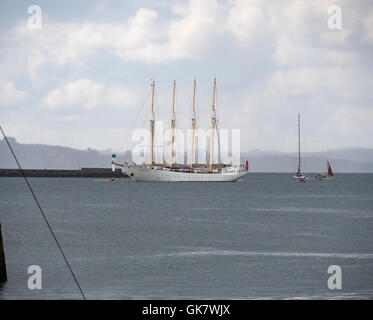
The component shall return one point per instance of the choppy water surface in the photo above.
(263, 237)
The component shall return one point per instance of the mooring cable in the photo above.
(42, 212)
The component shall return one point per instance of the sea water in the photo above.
(264, 237)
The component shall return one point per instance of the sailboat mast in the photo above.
(152, 127)
(213, 122)
(193, 125)
(173, 126)
(298, 143)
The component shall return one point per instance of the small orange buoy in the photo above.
(112, 179)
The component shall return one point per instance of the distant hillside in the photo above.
(288, 163)
(38, 156)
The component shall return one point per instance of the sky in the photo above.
(83, 79)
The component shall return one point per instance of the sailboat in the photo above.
(299, 177)
(325, 176)
(181, 172)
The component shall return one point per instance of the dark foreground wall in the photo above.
(82, 173)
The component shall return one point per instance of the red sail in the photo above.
(330, 172)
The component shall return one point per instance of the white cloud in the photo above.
(9, 95)
(70, 42)
(193, 31)
(301, 63)
(303, 37)
(87, 94)
(266, 114)
(247, 21)
(297, 30)
(143, 37)
(352, 120)
(368, 26)
(331, 83)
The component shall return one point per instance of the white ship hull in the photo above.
(300, 178)
(138, 173)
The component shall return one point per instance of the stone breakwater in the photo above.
(52, 173)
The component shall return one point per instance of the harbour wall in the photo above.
(52, 173)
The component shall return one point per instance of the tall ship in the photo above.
(299, 177)
(212, 171)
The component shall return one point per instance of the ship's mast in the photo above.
(193, 125)
(173, 120)
(213, 123)
(152, 121)
(298, 172)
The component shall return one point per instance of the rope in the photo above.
(42, 212)
(135, 119)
